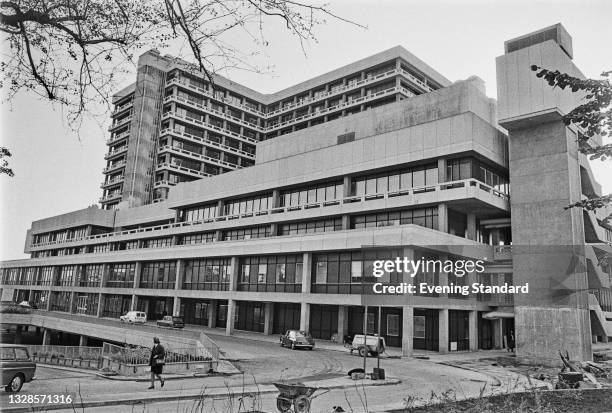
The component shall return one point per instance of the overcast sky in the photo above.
(57, 173)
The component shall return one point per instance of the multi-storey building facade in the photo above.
(174, 125)
(394, 162)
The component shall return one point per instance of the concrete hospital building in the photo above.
(263, 212)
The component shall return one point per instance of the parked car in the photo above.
(134, 317)
(169, 321)
(16, 367)
(296, 339)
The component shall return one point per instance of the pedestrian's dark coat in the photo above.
(157, 352)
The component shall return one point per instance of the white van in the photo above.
(134, 317)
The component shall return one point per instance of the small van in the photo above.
(134, 317)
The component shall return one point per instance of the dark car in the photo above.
(169, 321)
(297, 339)
(16, 367)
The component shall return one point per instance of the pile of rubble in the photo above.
(584, 375)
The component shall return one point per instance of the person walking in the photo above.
(157, 361)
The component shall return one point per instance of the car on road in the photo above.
(134, 317)
(170, 321)
(297, 339)
(16, 367)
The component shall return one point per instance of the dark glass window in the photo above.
(277, 273)
(207, 274)
(160, 275)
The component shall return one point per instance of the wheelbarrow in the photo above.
(297, 395)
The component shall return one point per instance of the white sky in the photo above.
(56, 173)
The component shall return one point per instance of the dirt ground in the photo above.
(559, 401)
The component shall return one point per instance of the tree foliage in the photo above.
(592, 118)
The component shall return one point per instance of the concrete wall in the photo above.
(143, 214)
(88, 216)
(548, 241)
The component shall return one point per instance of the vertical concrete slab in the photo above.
(212, 314)
(306, 272)
(443, 330)
(268, 318)
(407, 331)
(178, 284)
(473, 330)
(471, 227)
(234, 272)
(46, 337)
(342, 322)
(442, 218)
(82, 341)
(305, 317)
(231, 310)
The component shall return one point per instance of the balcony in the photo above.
(209, 126)
(163, 184)
(112, 182)
(114, 167)
(208, 109)
(198, 156)
(178, 168)
(120, 123)
(209, 94)
(110, 197)
(122, 108)
(116, 152)
(117, 138)
(206, 142)
(442, 192)
(363, 99)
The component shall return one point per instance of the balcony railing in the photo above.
(175, 167)
(209, 94)
(341, 105)
(119, 123)
(110, 197)
(115, 152)
(207, 142)
(123, 107)
(410, 192)
(207, 125)
(212, 111)
(118, 137)
(198, 156)
(112, 182)
(115, 166)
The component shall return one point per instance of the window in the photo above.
(280, 273)
(312, 194)
(321, 274)
(21, 354)
(393, 325)
(418, 327)
(158, 275)
(7, 353)
(207, 274)
(121, 275)
(246, 233)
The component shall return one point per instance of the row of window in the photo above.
(282, 273)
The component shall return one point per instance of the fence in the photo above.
(69, 352)
(140, 355)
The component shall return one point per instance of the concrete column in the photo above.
(104, 277)
(346, 186)
(276, 199)
(442, 170)
(442, 218)
(178, 284)
(305, 317)
(18, 334)
(83, 341)
(268, 318)
(498, 337)
(46, 337)
(234, 273)
(306, 272)
(473, 330)
(231, 309)
(31, 296)
(471, 227)
(407, 331)
(71, 307)
(48, 303)
(134, 303)
(100, 299)
(443, 330)
(342, 322)
(273, 229)
(346, 221)
(220, 208)
(212, 314)
(443, 276)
